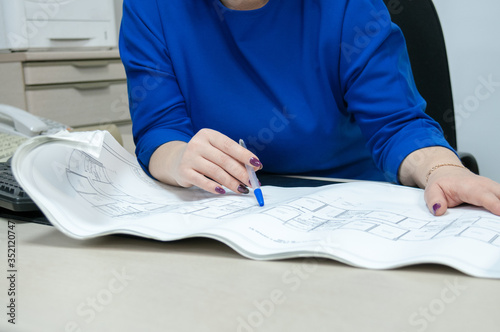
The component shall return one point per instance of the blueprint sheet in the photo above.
(88, 185)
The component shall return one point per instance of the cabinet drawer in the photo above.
(36, 73)
(80, 104)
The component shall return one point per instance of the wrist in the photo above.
(164, 161)
(415, 167)
(438, 166)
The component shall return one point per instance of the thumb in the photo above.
(435, 199)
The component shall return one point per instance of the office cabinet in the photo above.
(75, 88)
(79, 89)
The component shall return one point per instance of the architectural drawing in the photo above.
(88, 185)
(314, 213)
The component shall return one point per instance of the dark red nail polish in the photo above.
(436, 207)
(242, 189)
(255, 162)
(220, 190)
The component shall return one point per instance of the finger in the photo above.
(435, 200)
(219, 175)
(440, 196)
(236, 151)
(491, 202)
(227, 154)
(486, 196)
(206, 184)
(224, 168)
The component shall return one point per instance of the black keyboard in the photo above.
(12, 196)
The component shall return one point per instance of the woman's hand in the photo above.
(445, 185)
(450, 186)
(210, 161)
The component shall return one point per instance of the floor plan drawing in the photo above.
(90, 186)
(92, 181)
(315, 213)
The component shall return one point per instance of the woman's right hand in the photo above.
(210, 160)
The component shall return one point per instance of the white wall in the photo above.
(118, 14)
(472, 30)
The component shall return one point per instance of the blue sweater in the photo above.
(314, 87)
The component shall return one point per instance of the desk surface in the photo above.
(121, 283)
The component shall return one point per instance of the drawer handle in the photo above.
(92, 86)
(70, 39)
(90, 64)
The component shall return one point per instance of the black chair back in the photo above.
(421, 27)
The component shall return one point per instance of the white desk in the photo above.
(132, 284)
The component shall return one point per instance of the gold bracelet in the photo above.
(438, 166)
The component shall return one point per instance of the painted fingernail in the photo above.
(436, 207)
(255, 162)
(220, 190)
(242, 189)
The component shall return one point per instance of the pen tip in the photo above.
(258, 194)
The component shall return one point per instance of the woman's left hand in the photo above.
(451, 186)
(447, 183)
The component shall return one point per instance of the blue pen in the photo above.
(254, 182)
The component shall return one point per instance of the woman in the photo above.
(315, 87)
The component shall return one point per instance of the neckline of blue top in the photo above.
(247, 13)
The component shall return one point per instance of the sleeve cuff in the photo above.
(398, 152)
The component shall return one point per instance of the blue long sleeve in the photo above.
(315, 87)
